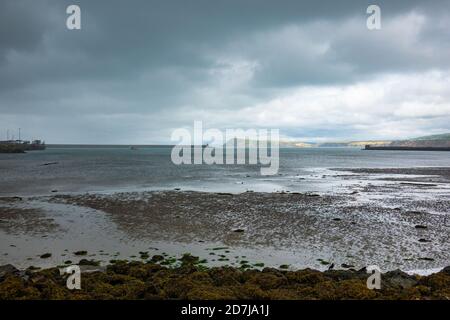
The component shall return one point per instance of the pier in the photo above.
(400, 148)
(20, 146)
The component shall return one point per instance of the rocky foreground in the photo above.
(191, 280)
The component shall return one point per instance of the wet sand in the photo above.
(380, 218)
(442, 173)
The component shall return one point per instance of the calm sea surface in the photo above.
(122, 169)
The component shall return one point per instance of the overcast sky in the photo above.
(139, 69)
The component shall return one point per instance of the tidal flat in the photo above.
(397, 220)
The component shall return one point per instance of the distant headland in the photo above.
(441, 141)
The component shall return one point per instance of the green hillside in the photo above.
(444, 136)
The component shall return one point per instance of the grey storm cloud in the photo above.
(138, 69)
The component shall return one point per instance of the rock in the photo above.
(8, 199)
(144, 255)
(86, 262)
(323, 262)
(398, 278)
(89, 269)
(7, 270)
(347, 266)
(426, 259)
(46, 255)
(188, 259)
(157, 258)
(49, 163)
(363, 269)
(33, 269)
(446, 270)
(80, 253)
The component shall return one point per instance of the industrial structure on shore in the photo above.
(20, 146)
(11, 145)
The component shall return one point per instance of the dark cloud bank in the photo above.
(139, 69)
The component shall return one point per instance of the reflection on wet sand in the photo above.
(391, 223)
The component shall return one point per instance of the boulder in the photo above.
(446, 270)
(398, 278)
(8, 270)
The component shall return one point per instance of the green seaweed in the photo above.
(192, 280)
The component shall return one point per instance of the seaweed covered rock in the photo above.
(86, 262)
(398, 278)
(157, 258)
(189, 259)
(139, 280)
(268, 280)
(8, 270)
